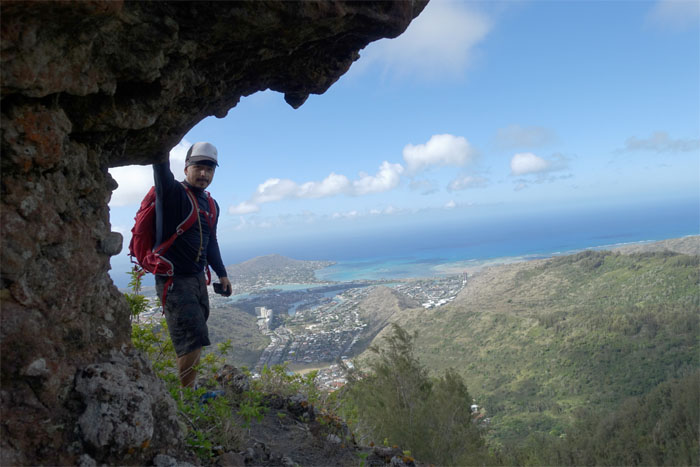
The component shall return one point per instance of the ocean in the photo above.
(442, 247)
(448, 249)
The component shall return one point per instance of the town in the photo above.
(325, 326)
(312, 323)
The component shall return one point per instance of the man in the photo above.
(187, 301)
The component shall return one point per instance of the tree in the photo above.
(397, 402)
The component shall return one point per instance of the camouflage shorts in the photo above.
(186, 312)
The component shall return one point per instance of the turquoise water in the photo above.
(448, 249)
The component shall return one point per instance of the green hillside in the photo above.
(535, 341)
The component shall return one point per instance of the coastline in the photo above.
(407, 268)
(473, 266)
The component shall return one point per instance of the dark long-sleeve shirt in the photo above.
(172, 207)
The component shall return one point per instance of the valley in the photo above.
(311, 324)
(536, 341)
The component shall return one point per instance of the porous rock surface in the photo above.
(88, 85)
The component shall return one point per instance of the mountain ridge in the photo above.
(270, 270)
(537, 340)
(688, 245)
(266, 263)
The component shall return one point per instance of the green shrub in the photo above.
(210, 424)
(277, 379)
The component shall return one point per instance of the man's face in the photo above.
(199, 176)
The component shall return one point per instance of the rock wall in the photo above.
(88, 85)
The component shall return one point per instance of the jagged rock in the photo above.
(88, 85)
(258, 454)
(126, 409)
(233, 379)
(162, 460)
(299, 406)
(86, 461)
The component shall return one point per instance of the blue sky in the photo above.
(478, 109)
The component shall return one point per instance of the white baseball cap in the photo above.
(201, 152)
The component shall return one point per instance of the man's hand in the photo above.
(226, 284)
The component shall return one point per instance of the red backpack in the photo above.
(144, 253)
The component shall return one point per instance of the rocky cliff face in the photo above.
(88, 85)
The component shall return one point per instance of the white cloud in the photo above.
(527, 163)
(331, 185)
(516, 136)
(352, 214)
(465, 182)
(660, 142)
(438, 43)
(387, 178)
(135, 180)
(676, 15)
(440, 150)
(276, 189)
(450, 204)
(346, 215)
(243, 208)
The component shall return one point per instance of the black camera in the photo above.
(218, 288)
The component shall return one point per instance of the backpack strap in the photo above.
(160, 250)
(182, 227)
(211, 215)
(192, 217)
(211, 218)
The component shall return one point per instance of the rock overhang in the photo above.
(88, 85)
(133, 77)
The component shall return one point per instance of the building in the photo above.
(262, 312)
